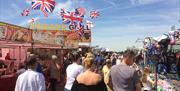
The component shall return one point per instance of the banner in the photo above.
(2, 32)
(63, 38)
(48, 37)
(47, 26)
(15, 34)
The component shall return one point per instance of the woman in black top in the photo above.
(100, 86)
(89, 80)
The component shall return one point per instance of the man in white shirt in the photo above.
(72, 71)
(30, 80)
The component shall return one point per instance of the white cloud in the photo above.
(102, 9)
(67, 5)
(119, 7)
(143, 2)
(12, 12)
(26, 21)
(15, 7)
(33, 20)
(111, 2)
(28, 1)
(121, 37)
(170, 16)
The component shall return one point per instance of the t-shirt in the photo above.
(123, 78)
(98, 59)
(72, 71)
(54, 71)
(106, 71)
(39, 68)
(30, 81)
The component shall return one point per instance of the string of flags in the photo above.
(44, 6)
(73, 18)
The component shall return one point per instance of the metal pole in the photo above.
(156, 77)
(19, 53)
(32, 46)
(144, 59)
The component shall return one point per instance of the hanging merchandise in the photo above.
(94, 14)
(172, 37)
(44, 5)
(25, 12)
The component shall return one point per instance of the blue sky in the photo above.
(120, 22)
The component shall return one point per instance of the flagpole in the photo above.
(32, 42)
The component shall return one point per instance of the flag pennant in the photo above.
(80, 11)
(79, 27)
(25, 12)
(94, 14)
(32, 20)
(44, 5)
(70, 17)
(89, 24)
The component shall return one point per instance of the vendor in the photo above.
(7, 56)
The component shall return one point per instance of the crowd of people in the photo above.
(90, 71)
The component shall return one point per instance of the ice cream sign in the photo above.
(47, 26)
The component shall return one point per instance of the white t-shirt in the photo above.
(72, 71)
(118, 61)
(30, 81)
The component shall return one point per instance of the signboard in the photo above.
(48, 37)
(15, 34)
(35, 26)
(2, 32)
(64, 38)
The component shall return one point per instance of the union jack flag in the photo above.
(44, 5)
(94, 14)
(25, 12)
(80, 11)
(62, 11)
(70, 17)
(79, 28)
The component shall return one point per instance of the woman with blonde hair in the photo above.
(89, 80)
(147, 81)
